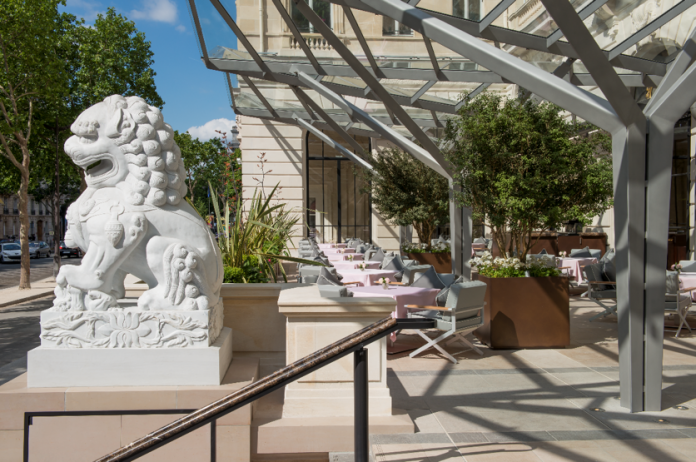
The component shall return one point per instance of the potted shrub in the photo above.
(526, 168)
(527, 306)
(438, 255)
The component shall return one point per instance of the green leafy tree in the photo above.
(32, 75)
(524, 167)
(110, 57)
(407, 192)
(205, 163)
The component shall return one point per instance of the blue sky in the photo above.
(195, 97)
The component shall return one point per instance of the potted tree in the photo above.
(525, 168)
(407, 192)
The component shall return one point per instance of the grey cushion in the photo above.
(395, 264)
(361, 248)
(410, 272)
(581, 253)
(608, 255)
(596, 253)
(688, 266)
(331, 274)
(447, 278)
(309, 279)
(379, 256)
(441, 298)
(543, 252)
(479, 240)
(672, 283)
(609, 267)
(429, 280)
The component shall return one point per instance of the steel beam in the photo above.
(356, 113)
(584, 14)
(422, 90)
(305, 99)
(679, 65)
(240, 35)
(231, 90)
(433, 58)
(199, 31)
(298, 36)
(260, 96)
(674, 101)
(520, 39)
(326, 139)
(586, 105)
(371, 82)
(594, 60)
(651, 27)
(363, 43)
(494, 14)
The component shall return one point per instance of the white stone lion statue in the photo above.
(132, 217)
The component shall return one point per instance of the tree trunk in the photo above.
(24, 278)
(56, 212)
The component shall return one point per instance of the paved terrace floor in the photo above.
(537, 405)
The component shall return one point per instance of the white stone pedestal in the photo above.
(114, 367)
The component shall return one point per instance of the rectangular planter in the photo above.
(441, 261)
(526, 313)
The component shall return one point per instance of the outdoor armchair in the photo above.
(678, 301)
(461, 315)
(411, 272)
(600, 289)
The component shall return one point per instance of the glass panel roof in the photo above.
(531, 17)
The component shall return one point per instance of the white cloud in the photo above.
(207, 131)
(157, 10)
(90, 9)
(181, 28)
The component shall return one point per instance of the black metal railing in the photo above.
(354, 343)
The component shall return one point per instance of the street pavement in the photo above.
(19, 333)
(41, 268)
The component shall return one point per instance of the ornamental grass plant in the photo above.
(253, 241)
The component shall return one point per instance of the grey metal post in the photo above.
(467, 239)
(361, 401)
(675, 98)
(629, 210)
(456, 231)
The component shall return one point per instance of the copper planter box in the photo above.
(441, 261)
(526, 313)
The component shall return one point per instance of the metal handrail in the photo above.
(354, 343)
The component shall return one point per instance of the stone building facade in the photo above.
(317, 182)
(40, 220)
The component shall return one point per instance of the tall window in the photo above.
(467, 9)
(336, 207)
(392, 27)
(320, 7)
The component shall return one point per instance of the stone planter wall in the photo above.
(251, 311)
(441, 261)
(526, 313)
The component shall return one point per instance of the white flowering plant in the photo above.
(411, 247)
(512, 267)
(383, 280)
(362, 266)
(350, 257)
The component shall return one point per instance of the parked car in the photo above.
(39, 250)
(69, 251)
(10, 252)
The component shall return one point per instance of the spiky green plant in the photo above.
(257, 238)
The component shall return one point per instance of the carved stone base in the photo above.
(131, 327)
(113, 367)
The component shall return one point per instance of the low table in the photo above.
(349, 265)
(368, 277)
(575, 266)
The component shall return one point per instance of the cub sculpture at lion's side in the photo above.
(133, 218)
